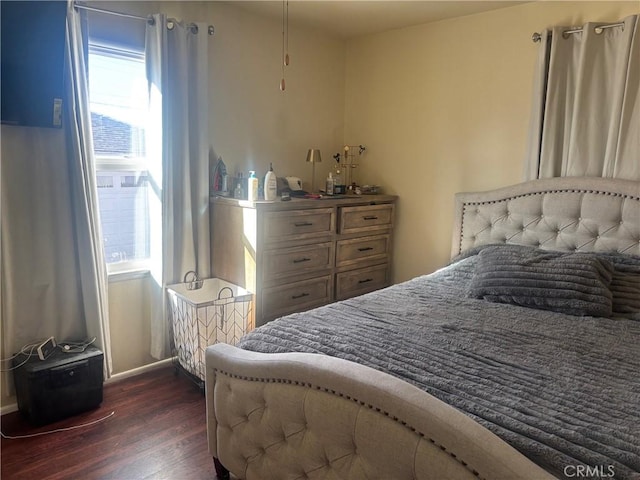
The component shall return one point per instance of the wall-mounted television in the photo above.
(32, 62)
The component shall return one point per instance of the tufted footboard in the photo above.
(296, 415)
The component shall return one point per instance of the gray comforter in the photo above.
(562, 389)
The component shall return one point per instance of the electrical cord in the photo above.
(67, 347)
(76, 347)
(23, 351)
(65, 429)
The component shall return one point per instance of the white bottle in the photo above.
(252, 187)
(330, 184)
(270, 185)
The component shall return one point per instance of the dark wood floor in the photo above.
(158, 431)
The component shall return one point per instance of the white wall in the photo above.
(444, 107)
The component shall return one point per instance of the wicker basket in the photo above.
(217, 311)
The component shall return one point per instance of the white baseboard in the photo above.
(9, 409)
(137, 371)
(13, 407)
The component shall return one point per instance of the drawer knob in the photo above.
(303, 224)
(300, 260)
(365, 249)
(295, 297)
(370, 217)
(366, 280)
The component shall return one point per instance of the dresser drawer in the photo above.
(295, 297)
(356, 282)
(297, 260)
(365, 218)
(298, 224)
(355, 250)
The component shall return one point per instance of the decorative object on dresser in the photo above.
(304, 253)
(345, 168)
(313, 157)
(219, 179)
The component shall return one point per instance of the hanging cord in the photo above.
(537, 37)
(282, 82)
(285, 42)
(286, 57)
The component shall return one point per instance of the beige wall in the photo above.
(444, 107)
(129, 318)
(253, 123)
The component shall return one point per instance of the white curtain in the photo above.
(40, 294)
(54, 280)
(585, 118)
(177, 68)
(92, 270)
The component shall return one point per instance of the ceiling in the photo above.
(352, 18)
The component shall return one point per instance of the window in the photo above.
(119, 104)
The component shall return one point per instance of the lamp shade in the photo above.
(313, 156)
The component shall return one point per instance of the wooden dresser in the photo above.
(303, 253)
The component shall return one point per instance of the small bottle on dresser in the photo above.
(252, 188)
(329, 185)
(238, 192)
(270, 185)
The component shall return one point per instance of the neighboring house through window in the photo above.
(119, 105)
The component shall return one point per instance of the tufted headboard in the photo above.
(567, 214)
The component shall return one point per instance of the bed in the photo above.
(518, 360)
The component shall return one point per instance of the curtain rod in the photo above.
(536, 37)
(149, 19)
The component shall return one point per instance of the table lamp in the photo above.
(313, 157)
